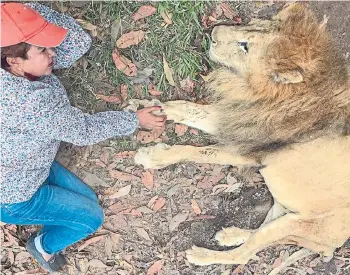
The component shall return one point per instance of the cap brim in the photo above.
(49, 37)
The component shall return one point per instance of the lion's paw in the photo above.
(201, 256)
(232, 236)
(154, 157)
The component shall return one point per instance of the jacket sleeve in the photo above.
(77, 41)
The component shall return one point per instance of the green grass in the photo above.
(176, 42)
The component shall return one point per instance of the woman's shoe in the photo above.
(54, 264)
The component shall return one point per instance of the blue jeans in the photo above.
(67, 208)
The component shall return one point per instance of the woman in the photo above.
(35, 117)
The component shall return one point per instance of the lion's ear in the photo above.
(288, 77)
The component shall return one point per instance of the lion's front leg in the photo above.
(162, 155)
(203, 117)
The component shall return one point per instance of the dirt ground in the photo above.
(153, 216)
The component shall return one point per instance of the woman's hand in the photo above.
(150, 121)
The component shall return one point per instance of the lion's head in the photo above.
(282, 82)
(293, 48)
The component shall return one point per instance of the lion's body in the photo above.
(286, 107)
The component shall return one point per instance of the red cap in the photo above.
(20, 23)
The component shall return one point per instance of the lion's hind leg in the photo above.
(289, 229)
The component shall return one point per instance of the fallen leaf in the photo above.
(109, 98)
(302, 253)
(116, 28)
(88, 26)
(121, 192)
(152, 201)
(177, 220)
(187, 85)
(226, 9)
(124, 91)
(149, 136)
(123, 64)
(238, 269)
(144, 209)
(158, 204)
(143, 76)
(166, 17)
(93, 180)
(195, 207)
(180, 129)
(147, 179)
(155, 268)
(108, 247)
(95, 263)
(122, 176)
(209, 180)
(21, 257)
(143, 233)
(194, 132)
(153, 90)
(115, 222)
(231, 179)
(90, 241)
(131, 38)
(125, 154)
(168, 72)
(104, 157)
(143, 12)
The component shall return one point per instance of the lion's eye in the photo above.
(243, 45)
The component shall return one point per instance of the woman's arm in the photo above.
(77, 41)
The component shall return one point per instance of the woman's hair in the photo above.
(18, 50)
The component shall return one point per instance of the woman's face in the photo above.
(39, 62)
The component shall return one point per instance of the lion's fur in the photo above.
(261, 113)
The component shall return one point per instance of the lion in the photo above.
(281, 102)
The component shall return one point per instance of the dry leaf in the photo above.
(159, 203)
(152, 89)
(115, 222)
(142, 233)
(143, 11)
(177, 220)
(95, 263)
(147, 179)
(88, 26)
(108, 247)
(208, 181)
(124, 91)
(90, 241)
(166, 17)
(187, 85)
(125, 154)
(104, 157)
(123, 64)
(227, 10)
(109, 98)
(168, 72)
(149, 136)
(155, 268)
(152, 201)
(180, 129)
(131, 38)
(93, 180)
(302, 253)
(195, 207)
(121, 192)
(231, 179)
(122, 176)
(194, 132)
(116, 29)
